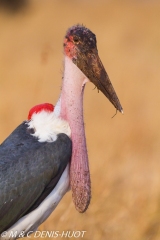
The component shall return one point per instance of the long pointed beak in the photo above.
(90, 64)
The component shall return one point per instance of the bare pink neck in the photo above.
(72, 94)
(71, 110)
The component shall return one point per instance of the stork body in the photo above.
(33, 159)
(47, 154)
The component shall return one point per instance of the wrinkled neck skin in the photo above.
(70, 108)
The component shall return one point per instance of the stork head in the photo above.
(80, 46)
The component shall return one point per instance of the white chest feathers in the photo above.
(47, 125)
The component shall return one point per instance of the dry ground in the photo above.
(124, 151)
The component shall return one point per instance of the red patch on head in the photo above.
(38, 108)
(69, 47)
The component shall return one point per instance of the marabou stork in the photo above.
(47, 154)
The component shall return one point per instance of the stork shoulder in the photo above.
(47, 126)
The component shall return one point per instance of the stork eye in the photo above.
(76, 39)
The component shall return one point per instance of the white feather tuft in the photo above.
(47, 125)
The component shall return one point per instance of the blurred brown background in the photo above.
(123, 151)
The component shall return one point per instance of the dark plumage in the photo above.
(29, 172)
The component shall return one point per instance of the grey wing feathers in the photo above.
(27, 167)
